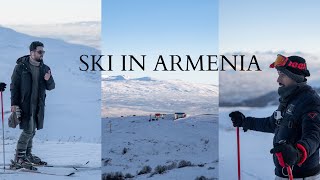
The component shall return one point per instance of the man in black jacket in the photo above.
(29, 82)
(295, 124)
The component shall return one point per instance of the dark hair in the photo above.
(33, 46)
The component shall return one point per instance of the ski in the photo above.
(32, 169)
(39, 172)
(47, 173)
(75, 166)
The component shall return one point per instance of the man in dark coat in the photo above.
(295, 124)
(29, 82)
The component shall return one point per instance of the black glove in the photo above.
(237, 118)
(287, 154)
(2, 86)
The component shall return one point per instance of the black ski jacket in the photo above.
(21, 87)
(300, 125)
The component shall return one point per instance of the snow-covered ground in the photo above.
(256, 160)
(163, 142)
(153, 143)
(72, 153)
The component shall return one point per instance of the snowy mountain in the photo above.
(83, 32)
(140, 96)
(71, 134)
(115, 78)
(162, 149)
(270, 98)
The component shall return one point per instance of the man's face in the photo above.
(284, 80)
(38, 53)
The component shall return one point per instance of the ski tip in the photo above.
(71, 174)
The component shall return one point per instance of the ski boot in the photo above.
(21, 161)
(35, 160)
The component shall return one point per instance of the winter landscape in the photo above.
(122, 95)
(71, 134)
(141, 138)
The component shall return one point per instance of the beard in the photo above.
(39, 59)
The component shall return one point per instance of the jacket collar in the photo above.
(25, 60)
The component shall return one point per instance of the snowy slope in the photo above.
(73, 153)
(85, 32)
(255, 147)
(71, 131)
(161, 142)
(123, 95)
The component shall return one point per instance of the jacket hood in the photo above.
(25, 59)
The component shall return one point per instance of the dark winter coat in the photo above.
(21, 89)
(300, 125)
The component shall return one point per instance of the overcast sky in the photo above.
(273, 25)
(48, 11)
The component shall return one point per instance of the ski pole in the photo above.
(4, 156)
(290, 173)
(238, 150)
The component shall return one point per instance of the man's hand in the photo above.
(13, 108)
(2, 86)
(287, 154)
(47, 75)
(17, 110)
(237, 118)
